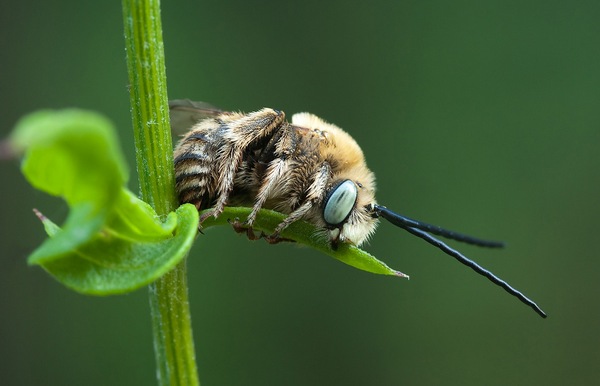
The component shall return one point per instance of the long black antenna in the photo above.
(403, 222)
(419, 229)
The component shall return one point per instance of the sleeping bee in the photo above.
(308, 169)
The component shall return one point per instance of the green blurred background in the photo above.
(482, 117)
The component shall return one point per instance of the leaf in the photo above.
(135, 220)
(111, 242)
(111, 264)
(307, 234)
(73, 154)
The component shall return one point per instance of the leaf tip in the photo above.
(39, 215)
(400, 274)
(50, 227)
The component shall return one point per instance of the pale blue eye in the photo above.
(340, 202)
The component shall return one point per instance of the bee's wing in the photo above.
(185, 113)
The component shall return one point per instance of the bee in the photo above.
(308, 169)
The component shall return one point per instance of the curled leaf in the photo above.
(111, 242)
(112, 264)
(73, 154)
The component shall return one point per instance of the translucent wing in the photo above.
(185, 113)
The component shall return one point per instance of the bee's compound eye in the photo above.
(339, 202)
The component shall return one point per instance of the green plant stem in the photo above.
(171, 321)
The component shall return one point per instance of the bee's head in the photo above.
(344, 211)
(347, 211)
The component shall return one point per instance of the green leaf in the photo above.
(73, 154)
(133, 219)
(112, 242)
(307, 234)
(110, 264)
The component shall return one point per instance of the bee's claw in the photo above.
(236, 225)
(251, 235)
(206, 215)
(275, 238)
(241, 227)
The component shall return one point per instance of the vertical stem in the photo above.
(171, 321)
(149, 103)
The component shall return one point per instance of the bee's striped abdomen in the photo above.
(194, 171)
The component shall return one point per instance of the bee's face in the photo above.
(347, 212)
